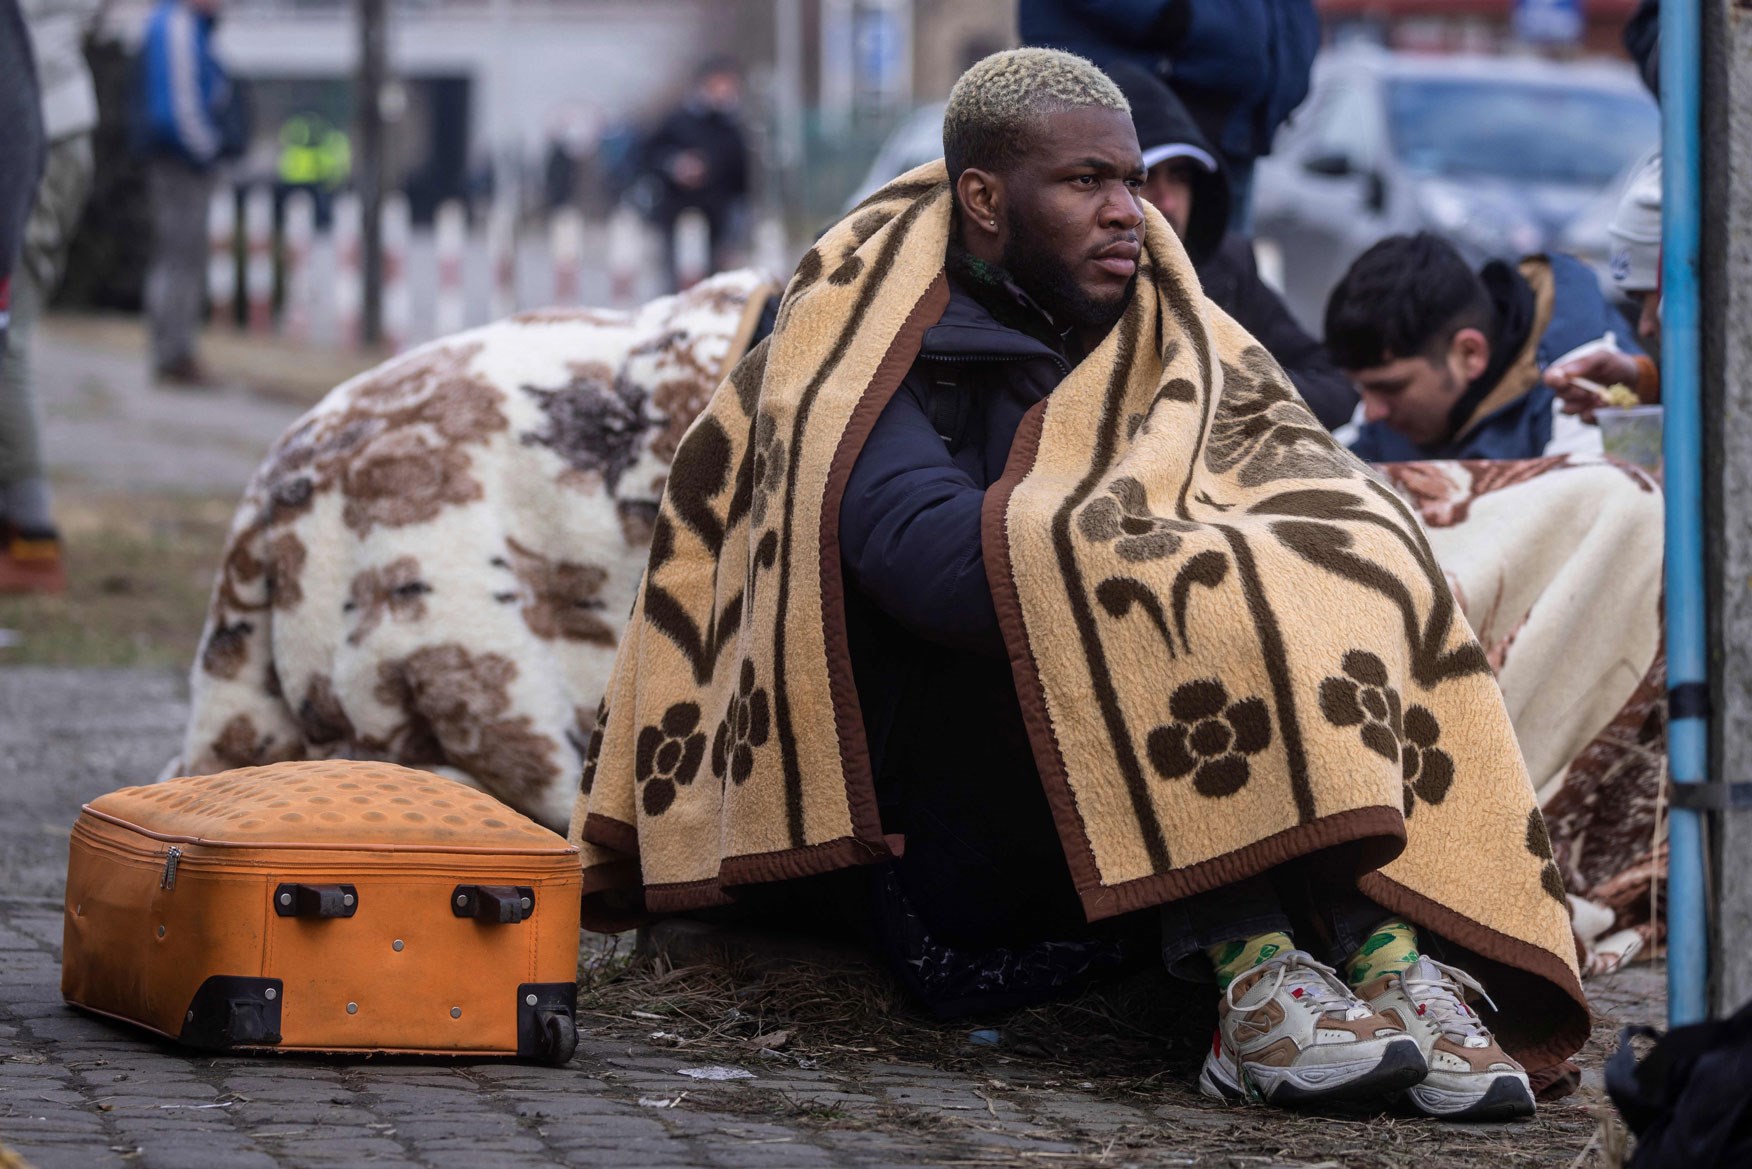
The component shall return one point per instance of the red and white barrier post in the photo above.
(397, 306)
(449, 312)
(258, 266)
(566, 245)
(627, 255)
(298, 232)
(222, 255)
(502, 258)
(349, 290)
(693, 249)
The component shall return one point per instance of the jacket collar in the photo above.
(1528, 293)
(989, 315)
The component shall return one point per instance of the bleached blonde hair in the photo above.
(997, 104)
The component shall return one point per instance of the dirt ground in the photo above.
(842, 1071)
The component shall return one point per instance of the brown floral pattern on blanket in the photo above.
(433, 566)
(559, 598)
(395, 590)
(458, 707)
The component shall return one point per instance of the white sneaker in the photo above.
(1470, 1078)
(1290, 1032)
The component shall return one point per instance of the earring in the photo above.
(993, 222)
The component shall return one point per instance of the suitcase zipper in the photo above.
(170, 860)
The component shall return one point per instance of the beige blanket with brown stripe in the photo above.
(1232, 643)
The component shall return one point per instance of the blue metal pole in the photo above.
(1687, 647)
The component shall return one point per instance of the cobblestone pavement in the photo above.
(80, 1093)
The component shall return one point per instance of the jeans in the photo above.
(176, 280)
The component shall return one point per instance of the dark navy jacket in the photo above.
(1521, 429)
(1241, 65)
(948, 747)
(910, 519)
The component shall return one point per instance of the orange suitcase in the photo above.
(327, 906)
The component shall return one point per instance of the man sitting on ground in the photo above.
(1008, 566)
(1189, 185)
(1449, 362)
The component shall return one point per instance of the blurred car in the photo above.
(918, 139)
(1500, 155)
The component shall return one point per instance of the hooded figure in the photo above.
(1190, 186)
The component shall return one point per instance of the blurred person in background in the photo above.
(21, 147)
(1450, 362)
(1189, 185)
(697, 160)
(192, 120)
(31, 558)
(1642, 40)
(1635, 232)
(1240, 66)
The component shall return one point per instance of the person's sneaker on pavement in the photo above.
(30, 562)
(1470, 1077)
(1290, 1032)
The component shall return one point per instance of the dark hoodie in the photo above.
(1223, 259)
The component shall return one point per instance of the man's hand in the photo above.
(1582, 383)
(688, 169)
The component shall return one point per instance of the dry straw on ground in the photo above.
(1133, 1046)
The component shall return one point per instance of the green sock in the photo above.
(1233, 959)
(1391, 949)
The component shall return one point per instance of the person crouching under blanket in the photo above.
(1012, 567)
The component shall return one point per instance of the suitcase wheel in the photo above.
(546, 1032)
(558, 1041)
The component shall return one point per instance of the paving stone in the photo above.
(200, 1156)
(67, 1156)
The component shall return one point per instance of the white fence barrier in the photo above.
(294, 273)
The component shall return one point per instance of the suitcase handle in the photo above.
(316, 900)
(493, 904)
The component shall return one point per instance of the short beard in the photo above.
(1054, 287)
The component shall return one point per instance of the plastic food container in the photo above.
(1632, 435)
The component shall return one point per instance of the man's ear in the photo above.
(981, 196)
(1469, 353)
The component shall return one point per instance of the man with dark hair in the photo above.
(1189, 185)
(1449, 362)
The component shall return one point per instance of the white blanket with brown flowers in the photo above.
(1556, 563)
(434, 565)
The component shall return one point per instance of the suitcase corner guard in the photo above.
(229, 1011)
(546, 1032)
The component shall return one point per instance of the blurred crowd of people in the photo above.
(1422, 355)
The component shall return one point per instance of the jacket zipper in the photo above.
(1064, 366)
(170, 862)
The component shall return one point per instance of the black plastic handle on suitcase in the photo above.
(493, 904)
(316, 900)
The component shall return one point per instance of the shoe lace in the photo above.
(1441, 999)
(1322, 990)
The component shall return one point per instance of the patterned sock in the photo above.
(1233, 959)
(1391, 949)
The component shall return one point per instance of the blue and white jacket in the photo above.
(186, 95)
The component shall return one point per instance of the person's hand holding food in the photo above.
(1604, 378)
